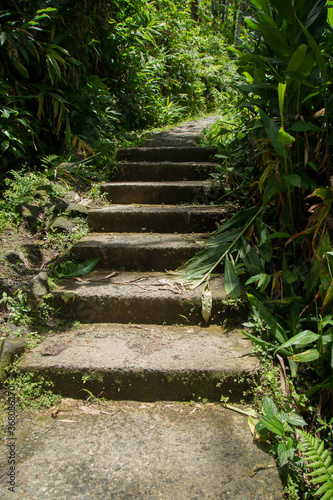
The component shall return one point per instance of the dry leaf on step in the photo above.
(206, 303)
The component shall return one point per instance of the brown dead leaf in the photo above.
(54, 349)
(90, 410)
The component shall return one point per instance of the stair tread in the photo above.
(131, 348)
(143, 240)
(147, 285)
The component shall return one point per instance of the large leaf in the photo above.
(272, 131)
(231, 282)
(273, 424)
(269, 407)
(304, 338)
(306, 356)
(275, 329)
(73, 270)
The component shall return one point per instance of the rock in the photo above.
(11, 347)
(62, 224)
(38, 287)
(74, 209)
(32, 213)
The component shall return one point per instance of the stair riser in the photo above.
(167, 195)
(142, 310)
(134, 259)
(159, 172)
(172, 222)
(173, 154)
(148, 385)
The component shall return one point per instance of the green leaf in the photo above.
(296, 420)
(306, 356)
(297, 58)
(275, 329)
(284, 138)
(272, 131)
(281, 94)
(293, 179)
(273, 424)
(231, 282)
(304, 338)
(73, 270)
(301, 126)
(269, 407)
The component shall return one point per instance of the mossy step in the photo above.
(162, 171)
(146, 362)
(167, 193)
(133, 251)
(167, 153)
(156, 218)
(139, 297)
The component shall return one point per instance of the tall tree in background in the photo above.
(195, 9)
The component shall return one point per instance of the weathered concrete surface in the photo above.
(166, 451)
(138, 297)
(156, 218)
(146, 363)
(163, 171)
(168, 193)
(186, 134)
(133, 251)
(167, 153)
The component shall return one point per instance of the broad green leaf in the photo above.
(296, 420)
(304, 338)
(231, 282)
(306, 356)
(269, 407)
(284, 138)
(295, 76)
(74, 270)
(272, 131)
(206, 303)
(297, 58)
(314, 46)
(250, 258)
(285, 9)
(273, 424)
(275, 329)
(293, 179)
(301, 126)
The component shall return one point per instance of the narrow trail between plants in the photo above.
(143, 345)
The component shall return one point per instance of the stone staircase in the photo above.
(142, 337)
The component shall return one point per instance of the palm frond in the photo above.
(224, 240)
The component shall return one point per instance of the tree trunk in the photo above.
(242, 10)
(234, 19)
(195, 10)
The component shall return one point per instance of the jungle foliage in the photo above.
(75, 73)
(276, 154)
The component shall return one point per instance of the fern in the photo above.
(47, 161)
(319, 460)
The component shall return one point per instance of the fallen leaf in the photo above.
(54, 349)
(207, 303)
(89, 410)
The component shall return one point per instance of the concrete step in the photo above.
(163, 171)
(128, 450)
(146, 362)
(156, 218)
(139, 297)
(167, 193)
(133, 251)
(167, 153)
